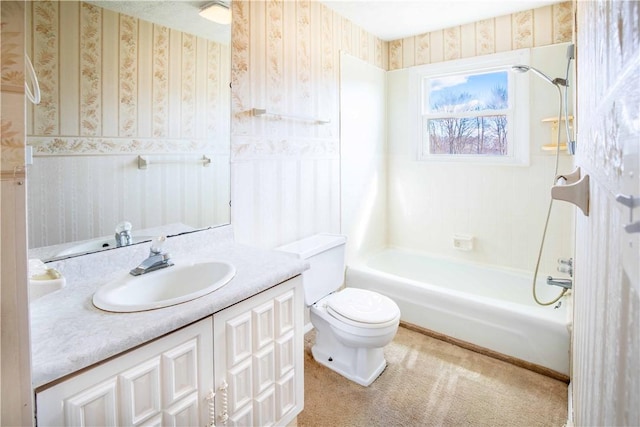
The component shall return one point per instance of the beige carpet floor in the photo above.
(429, 382)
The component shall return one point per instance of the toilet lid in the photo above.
(361, 305)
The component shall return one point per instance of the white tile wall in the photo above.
(503, 207)
(363, 156)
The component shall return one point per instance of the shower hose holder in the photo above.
(572, 188)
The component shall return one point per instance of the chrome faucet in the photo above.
(563, 283)
(123, 234)
(564, 266)
(156, 260)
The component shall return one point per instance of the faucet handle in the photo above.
(123, 226)
(156, 245)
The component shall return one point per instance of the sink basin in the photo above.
(99, 244)
(185, 281)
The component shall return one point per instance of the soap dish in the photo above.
(45, 283)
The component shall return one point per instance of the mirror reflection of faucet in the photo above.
(123, 234)
(156, 260)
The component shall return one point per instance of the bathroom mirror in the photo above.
(133, 126)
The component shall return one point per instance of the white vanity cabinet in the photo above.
(254, 346)
(259, 368)
(163, 383)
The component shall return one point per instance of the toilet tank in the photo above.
(325, 254)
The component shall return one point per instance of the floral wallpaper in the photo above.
(531, 28)
(12, 96)
(286, 60)
(128, 84)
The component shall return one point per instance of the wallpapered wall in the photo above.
(285, 58)
(114, 86)
(531, 28)
(286, 172)
(128, 83)
(13, 78)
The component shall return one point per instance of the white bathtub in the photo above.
(488, 307)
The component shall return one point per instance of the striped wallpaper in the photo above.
(124, 84)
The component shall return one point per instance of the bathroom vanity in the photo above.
(232, 357)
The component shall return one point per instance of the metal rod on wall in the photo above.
(144, 161)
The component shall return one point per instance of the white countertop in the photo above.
(68, 333)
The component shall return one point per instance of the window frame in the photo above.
(518, 134)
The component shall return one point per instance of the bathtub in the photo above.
(487, 307)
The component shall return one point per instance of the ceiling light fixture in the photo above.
(217, 11)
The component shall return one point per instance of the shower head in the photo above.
(525, 68)
(520, 68)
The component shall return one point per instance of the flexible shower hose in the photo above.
(546, 222)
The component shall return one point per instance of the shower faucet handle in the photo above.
(565, 266)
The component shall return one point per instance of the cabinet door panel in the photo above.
(263, 325)
(285, 347)
(285, 305)
(94, 406)
(264, 369)
(265, 407)
(266, 388)
(238, 339)
(140, 392)
(180, 366)
(158, 383)
(240, 385)
(285, 394)
(242, 418)
(153, 422)
(183, 413)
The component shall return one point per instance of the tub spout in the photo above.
(563, 283)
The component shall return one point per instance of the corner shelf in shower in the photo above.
(553, 146)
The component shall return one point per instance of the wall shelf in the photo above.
(553, 145)
(263, 112)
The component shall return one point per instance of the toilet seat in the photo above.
(363, 308)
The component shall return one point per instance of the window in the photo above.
(468, 110)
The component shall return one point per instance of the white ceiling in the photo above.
(180, 14)
(396, 19)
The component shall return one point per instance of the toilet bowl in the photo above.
(353, 348)
(352, 325)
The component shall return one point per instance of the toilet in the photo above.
(352, 325)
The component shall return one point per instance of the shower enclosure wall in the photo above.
(392, 200)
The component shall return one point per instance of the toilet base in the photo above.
(360, 365)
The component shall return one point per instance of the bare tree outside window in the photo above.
(467, 114)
